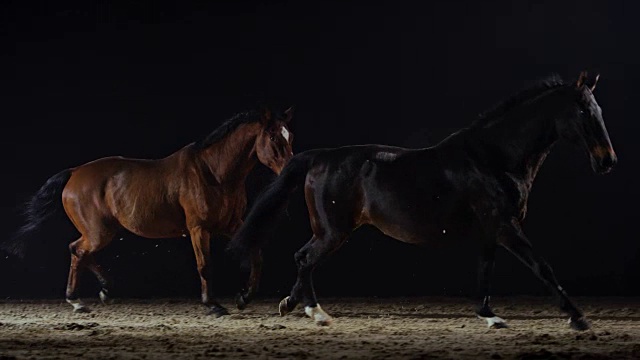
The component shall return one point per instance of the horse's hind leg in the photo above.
(103, 278)
(307, 258)
(82, 251)
(485, 269)
(79, 257)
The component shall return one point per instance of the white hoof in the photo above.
(78, 306)
(318, 315)
(495, 322)
(105, 298)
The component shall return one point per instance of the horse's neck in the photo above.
(231, 159)
(525, 137)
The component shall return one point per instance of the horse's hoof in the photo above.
(104, 298)
(499, 325)
(283, 307)
(78, 306)
(81, 310)
(318, 315)
(241, 304)
(218, 311)
(579, 324)
(495, 322)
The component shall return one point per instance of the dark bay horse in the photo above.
(198, 191)
(472, 185)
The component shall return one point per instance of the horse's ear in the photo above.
(265, 116)
(288, 114)
(595, 82)
(581, 79)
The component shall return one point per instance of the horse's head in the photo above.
(584, 125)
(273, 145)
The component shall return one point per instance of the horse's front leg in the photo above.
(200, 239)
(245, 296)
(513, 239)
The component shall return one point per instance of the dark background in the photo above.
(79, 82)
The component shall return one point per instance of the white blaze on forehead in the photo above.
(285, 133)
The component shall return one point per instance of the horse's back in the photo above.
(99, 173)
(110, 164)
(409, 194)
(356, 156)
(335, 187)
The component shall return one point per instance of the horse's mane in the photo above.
(228, 126)
(550, 82)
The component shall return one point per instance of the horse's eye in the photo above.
(272, 138)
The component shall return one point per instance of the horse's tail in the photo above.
(261, 220)
(43, 206)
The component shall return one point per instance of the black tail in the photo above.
(262, 219)
(43, 206)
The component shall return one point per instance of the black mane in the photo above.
(550, 82)
(228, 126)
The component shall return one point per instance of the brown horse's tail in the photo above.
(261, 220)
(44, 205)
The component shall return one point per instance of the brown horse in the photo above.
(199, 191)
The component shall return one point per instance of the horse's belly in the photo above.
(418, 214)
(405, 225)
(420, 228)
(154, 223)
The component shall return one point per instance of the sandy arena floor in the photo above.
(398, 328)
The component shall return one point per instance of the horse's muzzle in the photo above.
(603, 159)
